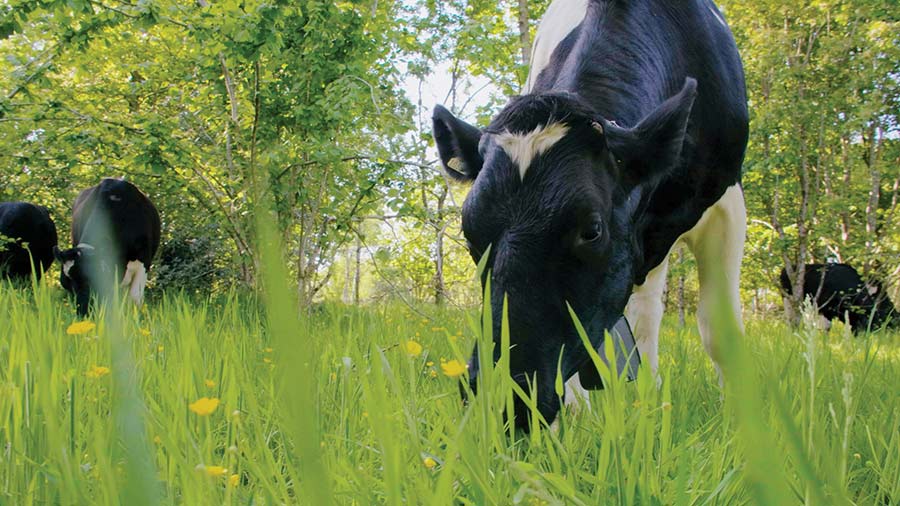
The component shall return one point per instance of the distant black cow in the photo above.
(24, 225)
(115, 230)
(839, 291)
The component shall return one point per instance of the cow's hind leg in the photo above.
(645, 311)
(135, 280)
(717, 242)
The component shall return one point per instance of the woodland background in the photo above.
(325, 105)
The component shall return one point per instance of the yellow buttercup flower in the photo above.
(234, 480)
(204, 406)
(429, 462)
(209, 383)
(413, 348)
(78, 328)
(453, 368)
(98, 371)
(145, 332)
(214, 471)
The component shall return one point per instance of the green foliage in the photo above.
(823, 161)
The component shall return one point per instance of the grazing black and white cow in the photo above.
(24, 225)
(840, 292)
(629, 137)
(115, 231)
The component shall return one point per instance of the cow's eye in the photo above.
(592, 232)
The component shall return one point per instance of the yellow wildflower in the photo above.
(204, 406)
(234, 480)
(429, 462)
(157, 439)
(145, 332)
(79, 328)
(160, 348)
(267, 360)
(432, 373)
(437, 329)
(215, 471)
(209, 383)
(268, 350)
(413, 348)
(453, 368)
(429, 363)
(98, 371)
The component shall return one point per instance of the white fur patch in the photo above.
(717, 242)
(576, 394)
(558, 21)
(135, 280)
(67, 266)
(115, 198)
(522, 148)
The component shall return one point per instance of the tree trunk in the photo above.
(357, 275)
(845, 191)
(348, 273)
(871, 159)
(441, 227)
(524, 36)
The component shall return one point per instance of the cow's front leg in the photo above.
(718, 245)
(644, 313)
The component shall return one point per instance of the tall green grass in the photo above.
(333, 407)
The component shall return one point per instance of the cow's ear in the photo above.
(62, 256)
(457, 143)
(66, 255)
(646, 153)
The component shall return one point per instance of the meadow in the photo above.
(221, 401)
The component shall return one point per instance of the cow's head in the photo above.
(558, 194)
(78, 267)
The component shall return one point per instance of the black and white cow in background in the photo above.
(839, 292)
(629, 137)
(21, 222)
(115, 231)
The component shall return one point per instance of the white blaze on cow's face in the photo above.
(523, 148)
